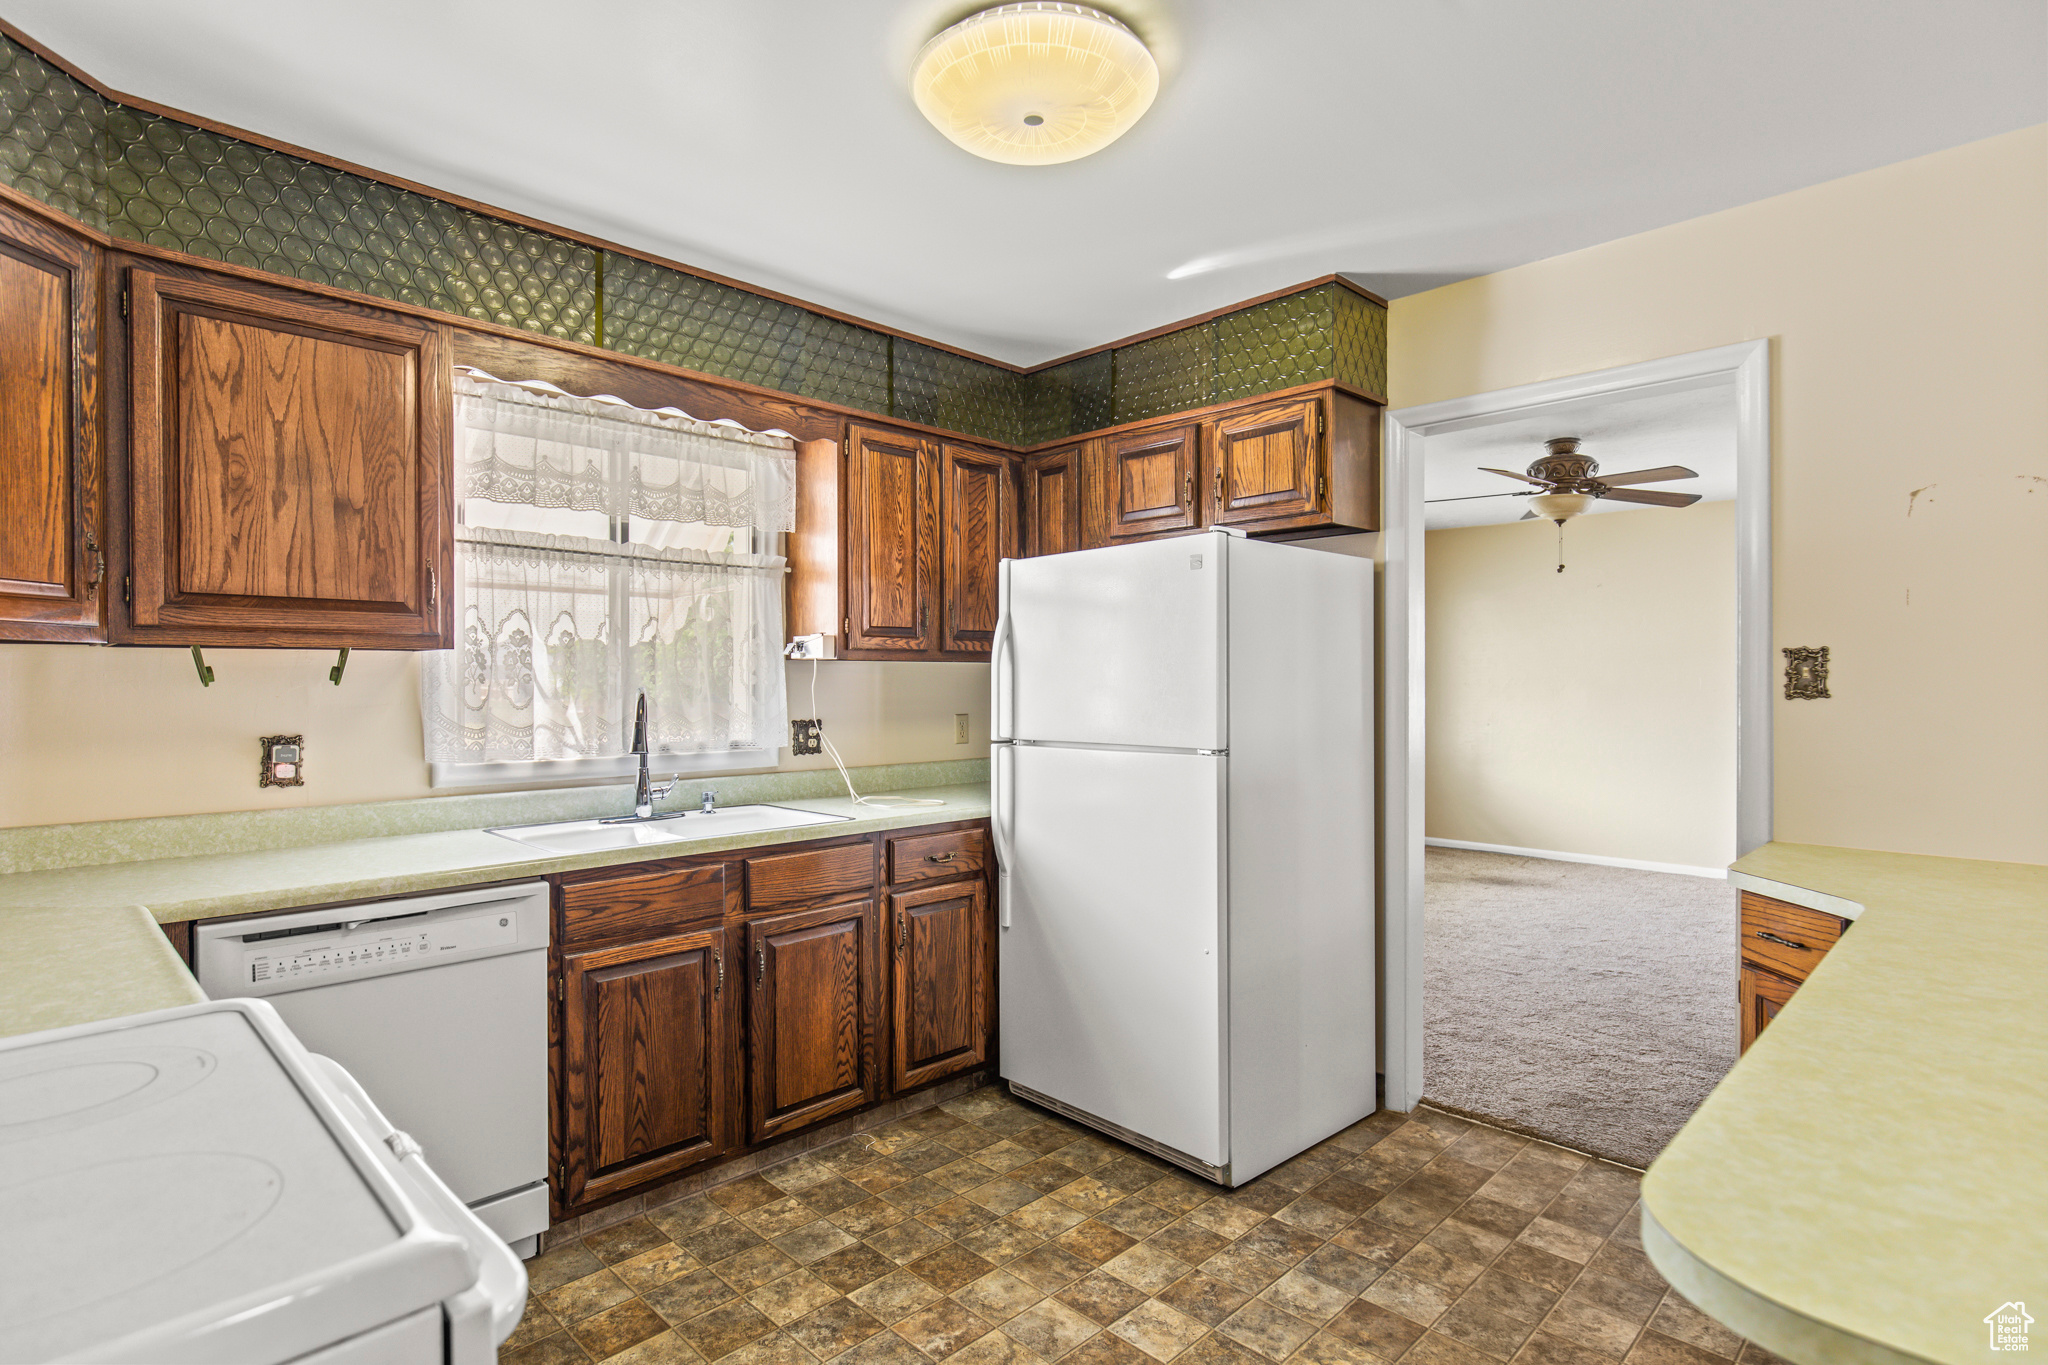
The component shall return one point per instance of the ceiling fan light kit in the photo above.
(1035, 83)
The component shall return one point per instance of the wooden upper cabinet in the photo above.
(52, 554)
(1052, 502)
(940, 953)
(891, 527)
(647, 1081)
(1266, 464)
(287, 468)
(816, 983)
(1144, 483)
(978, 497)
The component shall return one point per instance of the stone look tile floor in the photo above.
(989, 1232)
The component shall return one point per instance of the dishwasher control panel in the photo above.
(299, 950)
(342, 952)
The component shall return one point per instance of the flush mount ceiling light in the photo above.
(1035, 83)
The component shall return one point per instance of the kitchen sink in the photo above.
(596, 836)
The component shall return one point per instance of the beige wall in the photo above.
(1908, 313)
(99, 734)
(1589, 711)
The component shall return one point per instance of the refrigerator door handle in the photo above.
(1004, 707)
(999, 810)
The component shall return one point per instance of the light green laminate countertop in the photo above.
(1871, 1180)
(80, 943)
(67, 965)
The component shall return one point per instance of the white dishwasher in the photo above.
(437, 1005)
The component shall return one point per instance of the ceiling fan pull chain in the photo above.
(1560, 547)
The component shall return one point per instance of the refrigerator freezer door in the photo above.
(1112, 965)
(1122, 645)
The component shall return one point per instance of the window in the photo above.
(602, 550)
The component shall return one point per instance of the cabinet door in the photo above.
(891, 530)
(979, 502)
(1266, 464)
(1052, 502)
(1762, 994)
(1145, 483)
(646, 1084)
(287, 469)
(52, 556)
(940, 949)
(811, 1030)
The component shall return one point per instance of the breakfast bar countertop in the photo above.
(1870, 1182)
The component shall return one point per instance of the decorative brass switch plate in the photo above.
(1806, 673)
(284, 761)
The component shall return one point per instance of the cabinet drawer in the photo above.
(927, 857)
(641, 904)
(786, 880)
(1788, 939)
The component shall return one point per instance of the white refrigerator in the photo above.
(1182, 777)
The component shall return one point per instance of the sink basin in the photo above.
(595, 836)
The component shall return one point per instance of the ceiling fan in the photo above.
(1571, 481)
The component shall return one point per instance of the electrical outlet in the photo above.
(804, 737)
(960, 727)
(284, 761)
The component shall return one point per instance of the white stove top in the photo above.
(178, 1186)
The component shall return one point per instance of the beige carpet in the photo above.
(1591, 1006)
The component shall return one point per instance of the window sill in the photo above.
(593, 771)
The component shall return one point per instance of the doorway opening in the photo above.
(1576, 756)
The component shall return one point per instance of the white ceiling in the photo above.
(1406, 143)
(1694, 427)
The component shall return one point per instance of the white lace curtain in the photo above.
(604, 550)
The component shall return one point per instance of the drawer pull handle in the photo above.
(902, 931)
(718, 960)
(760, 964)
(1773, 938)
(939, 857)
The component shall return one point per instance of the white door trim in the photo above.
(1747, 364)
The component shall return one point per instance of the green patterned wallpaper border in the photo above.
(145, 177)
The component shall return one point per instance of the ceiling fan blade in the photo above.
(1657, 475)
(1526, 516)
(1473, 497)
(1652, 497)
(1509, 473)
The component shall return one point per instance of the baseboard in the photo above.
(1719, 874)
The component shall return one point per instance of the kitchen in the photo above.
(906, 502)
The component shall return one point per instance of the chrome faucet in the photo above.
(645, 794)
(710, 802)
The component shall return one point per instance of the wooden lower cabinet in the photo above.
(940, 951)
(1763, 995)
(708, 1005)
(646, 1067)
(1781, 945)
(811, 1024)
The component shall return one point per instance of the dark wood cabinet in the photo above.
(813, 1015)
(286, 468)
(1265, 464)
(978, 505)
(1142, 483)
(941, 981)
(927, 524)
(52, 555)
(891, 530)
(646, 1071)
(1052, 502)
(1781, 945)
